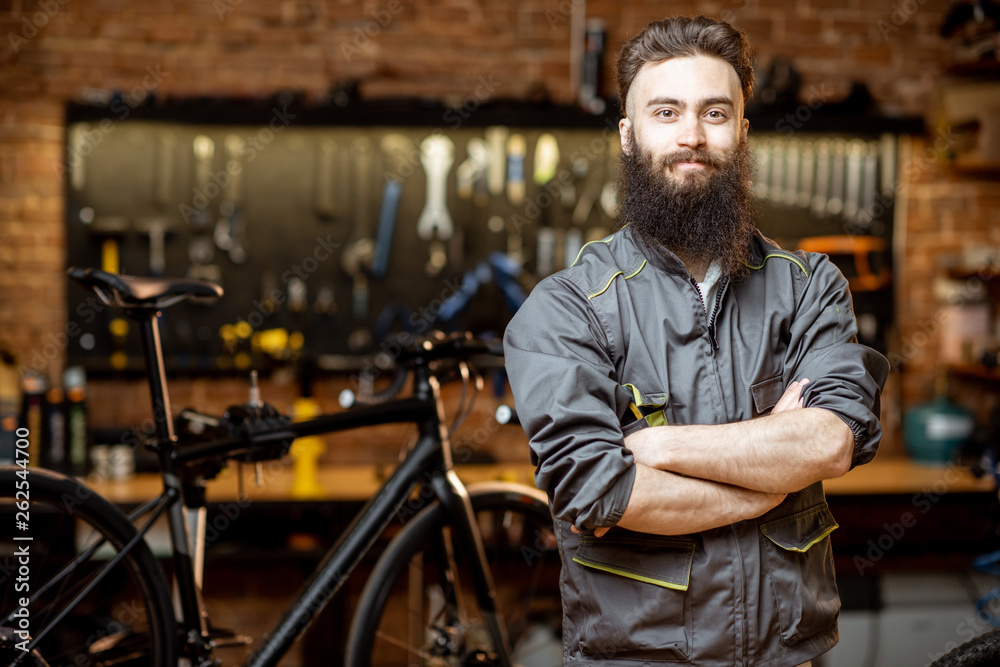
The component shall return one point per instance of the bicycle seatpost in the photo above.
(156, 375)
(188, 574)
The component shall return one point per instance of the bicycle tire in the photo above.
(126, 619)
(520, 546)
(983, 651)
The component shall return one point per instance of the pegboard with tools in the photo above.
(331, 230)
(326, 239)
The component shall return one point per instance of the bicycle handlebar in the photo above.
(421, 353)
(455, 346)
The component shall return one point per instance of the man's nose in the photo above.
(692, 134)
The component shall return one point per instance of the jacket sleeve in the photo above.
(844, 377)
(564, 387)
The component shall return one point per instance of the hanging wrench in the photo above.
(437, 153)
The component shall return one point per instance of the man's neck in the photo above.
(697, 267)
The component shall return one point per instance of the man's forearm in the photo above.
(668, 504)
(780, 453)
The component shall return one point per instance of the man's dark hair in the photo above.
(685, 36)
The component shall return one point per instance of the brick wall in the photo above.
(951, 218)
(54, 51)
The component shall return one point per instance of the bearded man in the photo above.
(687, 385)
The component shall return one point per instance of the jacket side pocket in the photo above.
(799, 560)
(636, 587)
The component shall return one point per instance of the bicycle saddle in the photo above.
(142, 292)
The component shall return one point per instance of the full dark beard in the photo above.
(700, 217)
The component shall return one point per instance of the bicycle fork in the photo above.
(452, 495)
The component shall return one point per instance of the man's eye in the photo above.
(667, 113)
(718, 115)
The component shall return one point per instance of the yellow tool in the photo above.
(306, 453)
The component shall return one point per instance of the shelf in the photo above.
(433, 113)
(356, 483)
(976, 372)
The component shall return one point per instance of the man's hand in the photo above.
(791, 399)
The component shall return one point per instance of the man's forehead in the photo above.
(690, 78)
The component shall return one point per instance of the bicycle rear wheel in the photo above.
(418, 606)
(85, 608)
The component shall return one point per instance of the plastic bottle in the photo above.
(77, 445)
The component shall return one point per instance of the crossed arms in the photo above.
(694, 478)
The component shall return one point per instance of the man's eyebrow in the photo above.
(707, 102)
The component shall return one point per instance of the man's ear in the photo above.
(745, 125)
(624, 130)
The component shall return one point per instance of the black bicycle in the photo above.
(470, 579)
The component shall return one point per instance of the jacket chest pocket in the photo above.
(636, 596)
(799, 560)
(766, 394)
(644, 409)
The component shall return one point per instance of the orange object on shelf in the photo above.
(860, 248)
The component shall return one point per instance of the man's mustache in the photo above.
(704, 157)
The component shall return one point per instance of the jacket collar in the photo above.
(665, 260)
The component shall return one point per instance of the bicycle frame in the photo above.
(429, 461)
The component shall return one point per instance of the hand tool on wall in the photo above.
(762, 153)
(869, 184)
(230, 229)
(821, 192)
(835, 202)
(570, 194)
(396, 152)
(496, 137)
(808, 171)
(585, 204)
(569, 189)
(326, 207)
(77, 165)
(792, 167)
(499, 269)
(325, 303)
(358, 255)
(163, 188)
(517, 148)
(470, 175)
(852, 198)
(111, 229)
(437, 153)
(545, 254)
(515, 243)
(609, 192)
(776, 191)
(201, 248)
(156, 228)
(887, 162)
(546, 160)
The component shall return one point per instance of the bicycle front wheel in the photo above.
(418, 606)
(87, 602)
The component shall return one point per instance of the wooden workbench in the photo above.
(349, 483)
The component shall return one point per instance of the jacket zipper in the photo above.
(712, 334)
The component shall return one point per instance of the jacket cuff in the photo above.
(862, 452)
(618, 496)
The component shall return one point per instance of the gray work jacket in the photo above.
(622, 340)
